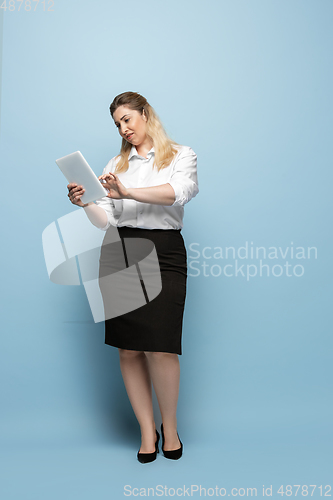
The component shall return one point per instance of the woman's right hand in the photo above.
(74, 194)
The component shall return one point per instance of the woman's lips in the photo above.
(129, 136)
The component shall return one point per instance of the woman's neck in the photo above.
(144, 147)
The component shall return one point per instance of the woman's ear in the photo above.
(144, 115)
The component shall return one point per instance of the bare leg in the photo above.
(165, 372)
(134, 369)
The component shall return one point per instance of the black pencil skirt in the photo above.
(156, 325)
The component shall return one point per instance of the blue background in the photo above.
(248, 85)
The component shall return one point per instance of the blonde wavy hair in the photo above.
(165, 149)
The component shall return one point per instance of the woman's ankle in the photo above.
(148, 439)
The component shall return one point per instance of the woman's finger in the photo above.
(76, 196)
(106, 176)
(76, 189)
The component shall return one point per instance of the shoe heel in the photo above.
(172, 454)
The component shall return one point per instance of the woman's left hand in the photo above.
(116, 189)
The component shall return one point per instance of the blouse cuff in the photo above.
(180, 198)
(108, 224)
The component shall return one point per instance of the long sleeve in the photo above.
(184, 177)
(107, 204)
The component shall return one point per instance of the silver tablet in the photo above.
(76, 169)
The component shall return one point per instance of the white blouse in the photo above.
(181, 174)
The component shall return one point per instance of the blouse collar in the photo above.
(134, 152)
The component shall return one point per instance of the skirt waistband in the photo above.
(156, 230)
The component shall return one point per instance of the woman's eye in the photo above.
(126, 120)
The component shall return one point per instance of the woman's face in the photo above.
(131, 124)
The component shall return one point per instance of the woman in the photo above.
(148, 184)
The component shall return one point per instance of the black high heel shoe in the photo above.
(145, 458)
(172, 454)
